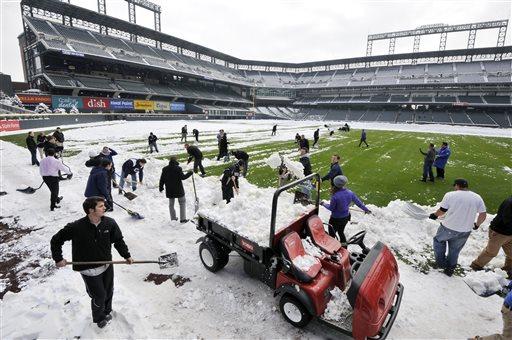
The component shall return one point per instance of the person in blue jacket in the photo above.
(442, 158)
(335, 169)
(339, 206)
(99, 183)
(363, 138)
(506, 314)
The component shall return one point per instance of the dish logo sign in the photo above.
(96, 103)
(9, 125)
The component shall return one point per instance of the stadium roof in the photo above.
(73, 11)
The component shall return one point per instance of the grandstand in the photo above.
(67, 52)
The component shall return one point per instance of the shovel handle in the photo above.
(110, 262)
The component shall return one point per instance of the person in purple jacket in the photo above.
(339, 206)
(442, 158)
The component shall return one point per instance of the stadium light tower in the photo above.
(156, 9)
(441, 29)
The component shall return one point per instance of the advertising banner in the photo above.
(163, 106)
(121, 104)
(143, 104)
(96, 103)
(34, 98)
(66, 102)
(9, 125)
(177, 107)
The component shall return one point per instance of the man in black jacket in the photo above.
(242, 155)
(304, 160)
(59, 137)
(196, 155)
(303, 143)
(184, 133)
(195, 132)
(91, 240)
(229, 181)
(32, 147)
(152, 142)
(132, 167)
(500, 236)
(316, 137)
(172, 177)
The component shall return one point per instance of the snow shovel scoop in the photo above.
(164, 261)
(196, 203)
(415, 212)
(130, 212)
(130, 195)
(30, 190)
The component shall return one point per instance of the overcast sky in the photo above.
(286, 30)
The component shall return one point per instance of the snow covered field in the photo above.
(228, 304)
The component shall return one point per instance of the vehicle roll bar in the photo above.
(284, 188)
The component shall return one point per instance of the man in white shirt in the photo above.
(49, 168)
(459, 208)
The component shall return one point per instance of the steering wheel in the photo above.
(357, 238)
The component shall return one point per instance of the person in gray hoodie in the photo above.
(430, 155)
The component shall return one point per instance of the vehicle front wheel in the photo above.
(294, 312)
(212, 256)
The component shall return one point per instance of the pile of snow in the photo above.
(304, 262)
(248, 213)
(487, 283)
(310, 248)
(338, 308)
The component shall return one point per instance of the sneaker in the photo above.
(184, 221)
(59, 199)
(108, 317)
(174, 219)
(448, 271)
(55, 207)
(476, 267)
(202, 175)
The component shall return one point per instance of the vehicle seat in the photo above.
(320, 238)
(303, 266)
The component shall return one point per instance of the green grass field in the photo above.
(389, 169)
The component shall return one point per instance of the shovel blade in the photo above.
(130, 195)
(168, 260)
(28, 190)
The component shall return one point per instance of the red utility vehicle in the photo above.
(370, 277)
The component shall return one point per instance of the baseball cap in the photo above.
(340, 181)
(461, 182)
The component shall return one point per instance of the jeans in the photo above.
(183, 208)
(455, 240)
(33, 153)
(101, 289)
(427, 171)
(134, 180)
(153, 146)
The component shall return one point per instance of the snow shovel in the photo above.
(130, 212)
(164, 261)
(30, 190)
(196, 203)
(415, 212)
(130, 195)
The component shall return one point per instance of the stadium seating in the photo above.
(497, 99)
(76, 34)
(90, 49)
(41, 26)
(56, 44)
(103, 84)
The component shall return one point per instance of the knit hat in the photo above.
(340, 181)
